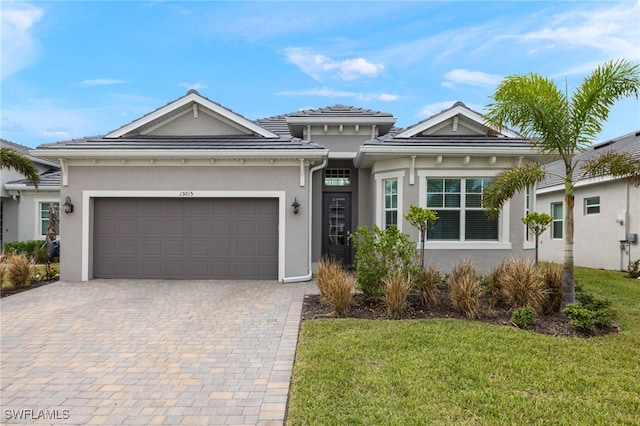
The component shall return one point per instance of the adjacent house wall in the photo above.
(597, 238)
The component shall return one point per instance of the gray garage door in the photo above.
(185, 238)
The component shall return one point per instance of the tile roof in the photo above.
(340, 110)
(183, 142)
(391, 140)
(22, 149)
(629, 143)
(49, 179)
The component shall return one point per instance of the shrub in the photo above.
(396, 289)
(380, 253)
(3, 269)
(522, 284)
(589, 312)
(634, 269)
(524, 318)
(552, 274)
(428, 281)
(335, 284)
(495, 277)
(20, 270)
(465, 289)
(35, 249)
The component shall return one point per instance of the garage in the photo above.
(185, 238)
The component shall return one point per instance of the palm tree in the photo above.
(13, 160)
(561, 126)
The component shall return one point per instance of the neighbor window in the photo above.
(556, 224)
(337, 177)
(592, 205)
(390, 202)
(458, 203)
(44, 216)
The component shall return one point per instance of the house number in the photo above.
(186, 194)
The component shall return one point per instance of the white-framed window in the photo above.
(458, 203)
(42, 217)
(528, 208)
(389, 186)
(556, 224)
(390, 216)
(592, 205)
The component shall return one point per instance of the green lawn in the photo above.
(445, 372)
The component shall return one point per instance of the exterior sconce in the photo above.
(295, 205)
(68, 206)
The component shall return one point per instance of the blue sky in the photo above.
(73, 69)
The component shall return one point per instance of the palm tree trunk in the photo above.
(568, 281)
(423, 233)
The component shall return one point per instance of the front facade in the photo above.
(194, 190)
(606, 213)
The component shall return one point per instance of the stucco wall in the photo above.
(597, 237)
(185, 178)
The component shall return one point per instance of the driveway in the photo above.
(150, 352)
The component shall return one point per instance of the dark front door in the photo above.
(337, 226)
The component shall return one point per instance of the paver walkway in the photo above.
(149, 352)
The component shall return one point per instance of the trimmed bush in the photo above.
(20, 270)
(634, 269)
(396, 290)
(495, 277)
(465, 289)
(335, 284)
(35, 249)
(524, 318)
(428, 282)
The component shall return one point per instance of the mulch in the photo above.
(11, 291)
(374, 308)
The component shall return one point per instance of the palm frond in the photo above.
(507, 183)
(615, 164)
(13, 160)
(593, 99)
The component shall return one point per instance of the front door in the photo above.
(337, 226)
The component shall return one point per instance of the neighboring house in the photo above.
(194, 190)
(23, 209)
(606, 213)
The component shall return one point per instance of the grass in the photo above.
(444, 371)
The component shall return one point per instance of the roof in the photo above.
(25, 150)
(444, 141)
(48, 180)
(293, 123)
(629, 143)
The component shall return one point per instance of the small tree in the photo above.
(422, 219)
(537, 223)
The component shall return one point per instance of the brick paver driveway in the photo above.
(149, 352)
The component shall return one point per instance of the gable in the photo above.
(458, 120)
(191, 115)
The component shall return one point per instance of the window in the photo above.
(528, 235)
(556, 225)
(44, 216)
(458, 203)
(592, 205)
(337, 177)
(390, 202)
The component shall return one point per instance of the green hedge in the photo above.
(31, 248)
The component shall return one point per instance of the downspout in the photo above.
(310, 268)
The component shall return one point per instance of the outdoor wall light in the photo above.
(68, 206)
(295, 205)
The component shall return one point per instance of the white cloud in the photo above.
(19, 48)
(101, 82)
(56, 134)
(326, 92)
(473, 78)
(317, 65)
(193, 86)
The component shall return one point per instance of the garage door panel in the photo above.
(185, 238)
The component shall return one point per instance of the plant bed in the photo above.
(374, 308)
(8, 291)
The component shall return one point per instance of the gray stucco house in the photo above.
(606, 213)
(23, 208)
(195, 190)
